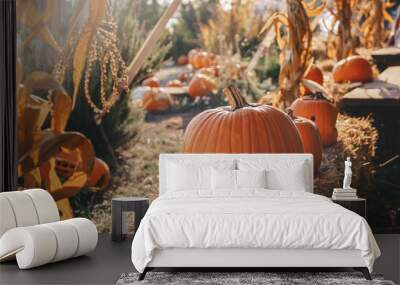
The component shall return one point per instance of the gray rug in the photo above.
(269, 278)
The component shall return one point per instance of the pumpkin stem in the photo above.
(235, 99)
(316, 96)
(289, 111)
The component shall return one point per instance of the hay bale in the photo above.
(357, 138)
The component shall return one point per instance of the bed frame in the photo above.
(242, 259)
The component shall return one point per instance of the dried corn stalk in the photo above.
(293, 34)
(96, 42)
(30, 16)
(40, 149)
(340, 43)
(372, 18)
(223, 33)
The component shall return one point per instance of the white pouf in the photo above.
(31, 232)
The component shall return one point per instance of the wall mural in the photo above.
(105, 86)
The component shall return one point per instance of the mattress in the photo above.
(250, 219)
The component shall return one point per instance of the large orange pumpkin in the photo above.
(201, 85)
(310, 138)
(182, 60)
(352, 69)
(242, 128)
(324, 112)
(156, 100)
(314, 74)
(151, 82)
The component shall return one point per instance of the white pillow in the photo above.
(181, 177)
(185, 175)
(223, 179)
(227, 179)
(251, 178)
(281, 175)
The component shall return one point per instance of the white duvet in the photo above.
(250, 219)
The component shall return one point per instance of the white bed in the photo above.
(201, 220)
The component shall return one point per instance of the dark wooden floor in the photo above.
(110, 259)
(103, 266)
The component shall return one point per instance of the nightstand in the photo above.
(357, 205)
(127, 212)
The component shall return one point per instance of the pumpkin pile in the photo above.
(199, 59)
(156, 100)
(317, 108)
(201, 85)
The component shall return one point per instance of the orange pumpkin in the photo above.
(100, 176)
(310, 138)
(314, 74)
(69, 162)
(174, 83)
(156, 100)
(200, 60)
(182, 76)
(352, 69)
(191, 56)
(201, 85)
(242, 128)
(182, 60)
(152, 82)
(324, 112)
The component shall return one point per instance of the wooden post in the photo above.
(151, 41)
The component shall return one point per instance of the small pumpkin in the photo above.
(174, 83)
(100, 176)
(352, 69)
(310, 138)
(191, 56)
(152, 82)
(182, 60)
(201, 85)
(324, 112)
(314, 74)
(183, 76)
(200, 60)
(242, 128)
(156, 100)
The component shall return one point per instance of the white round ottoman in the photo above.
(31, 232)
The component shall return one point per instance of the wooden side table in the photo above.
(357, 205)
(127, 212)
